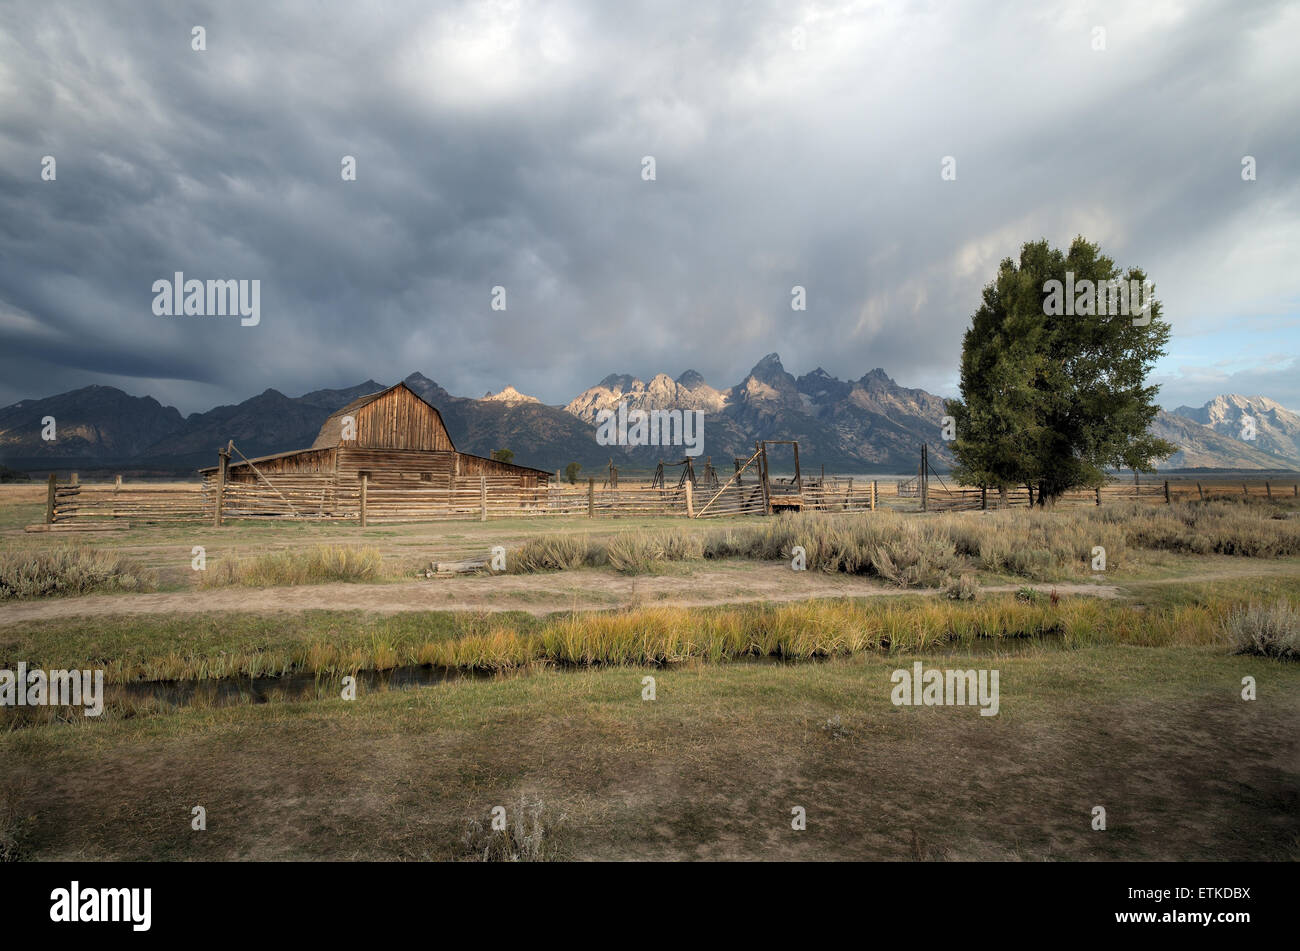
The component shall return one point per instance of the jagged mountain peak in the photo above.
(877, 376)
(770, 366)
(1253, 422)
(509, 395)
(619, 381)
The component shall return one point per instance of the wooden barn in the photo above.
(392, 442)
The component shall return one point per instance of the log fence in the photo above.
(378, 500)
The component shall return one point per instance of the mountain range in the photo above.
(868, 424)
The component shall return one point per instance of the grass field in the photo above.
(1120, 688)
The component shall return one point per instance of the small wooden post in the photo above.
(1268, 490)
(365, 485)
(875, 486)
(49, 501)
(118, 483)
(984, 498)
(925, 480)
(591, 498)
(218, 509)
(1200, 491)
(690, 499)
(1244, 492)
(75, 479)
(1098, 491)
(482, 497)
(1166, 491)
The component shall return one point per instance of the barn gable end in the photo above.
(395, 418)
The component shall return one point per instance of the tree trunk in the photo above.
(1002, 496)
(1048, 494)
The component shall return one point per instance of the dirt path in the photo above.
(537, 594)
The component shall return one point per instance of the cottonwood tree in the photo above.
(1050, 398)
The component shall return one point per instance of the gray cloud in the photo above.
(501, 144)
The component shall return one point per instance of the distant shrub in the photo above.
(962, 588)
(1272, 630)
(68, 571)
(317, 565)
(553, 553)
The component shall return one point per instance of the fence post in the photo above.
(218, 510)
(591, 498)
(365, 484)
(118, 484)
(1268, 490)
(690, 499)
(874, 488)
(1245, 494)
(1200, 491)
(482, 497)
(1166, 491)
(1098, 491)
(924, 487)
(75, 479)
(49, 501)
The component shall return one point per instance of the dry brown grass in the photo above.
(68, 571)
(1272, 630)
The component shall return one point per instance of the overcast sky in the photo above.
(503, 144)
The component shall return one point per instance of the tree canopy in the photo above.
(1053, 373)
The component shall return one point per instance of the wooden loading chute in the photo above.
(687, 474)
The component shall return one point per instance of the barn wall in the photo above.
(477, 465)
(311, 461)
(396, 465)
(401, 420)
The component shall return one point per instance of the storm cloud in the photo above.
(502, 144)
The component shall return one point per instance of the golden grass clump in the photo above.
(316, 565)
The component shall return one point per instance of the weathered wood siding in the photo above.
(440, 468)
(308, 461)
(477, 465)
(401, 420)
(396, 465)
